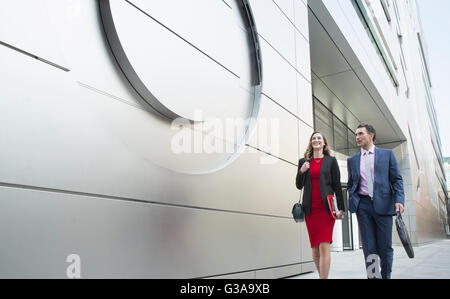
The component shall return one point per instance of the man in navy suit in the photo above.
(375, 188)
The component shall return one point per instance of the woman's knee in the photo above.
(324, 247)
(316, 252)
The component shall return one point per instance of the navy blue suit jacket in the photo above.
(388, 182)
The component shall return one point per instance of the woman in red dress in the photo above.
(318, 173)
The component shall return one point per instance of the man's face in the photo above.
(363, 138)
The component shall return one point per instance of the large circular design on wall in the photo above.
(189, 59)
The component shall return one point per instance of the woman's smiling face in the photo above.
(317, 141)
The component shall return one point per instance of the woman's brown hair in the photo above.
(310, 151)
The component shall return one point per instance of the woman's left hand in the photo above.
(340, 215)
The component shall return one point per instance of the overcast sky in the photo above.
(435, 15)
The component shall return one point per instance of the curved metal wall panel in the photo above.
(85, 164)
(116, 239)
(88, 142)
(172, 64)
(25, 25)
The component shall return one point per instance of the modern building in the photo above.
(447, 171)
(160, 139)
(447, 174)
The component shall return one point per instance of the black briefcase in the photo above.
(404, 236)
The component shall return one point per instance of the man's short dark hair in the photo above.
(370, 130)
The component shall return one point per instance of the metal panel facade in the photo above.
(88, 167)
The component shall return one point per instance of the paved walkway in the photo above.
(430, 261)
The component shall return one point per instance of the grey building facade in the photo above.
(153, 142)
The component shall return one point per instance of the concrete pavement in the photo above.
(431, 261)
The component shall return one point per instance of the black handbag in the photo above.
(404, 236)
(297, 211)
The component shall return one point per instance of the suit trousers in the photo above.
(376, 237)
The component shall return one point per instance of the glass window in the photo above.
(340, 138)
(352, 146)
(347, 229)
(323, 121)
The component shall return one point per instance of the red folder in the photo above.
(332, 205)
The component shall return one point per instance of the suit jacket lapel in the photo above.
(358, 165)
(377, 157)
(324, 166)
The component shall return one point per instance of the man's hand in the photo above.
(399, 207)
(340, 215)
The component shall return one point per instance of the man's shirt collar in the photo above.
(371, 150)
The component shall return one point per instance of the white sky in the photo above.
(436, 26)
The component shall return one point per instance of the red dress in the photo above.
(319, 223)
